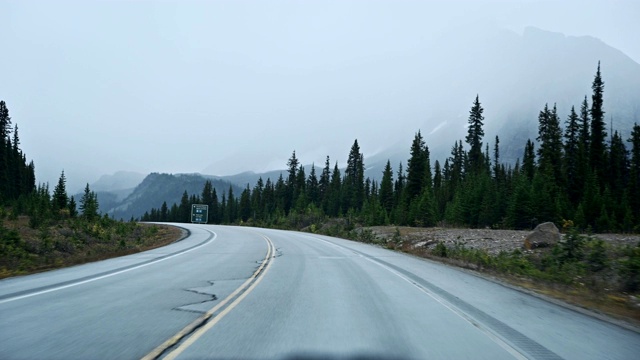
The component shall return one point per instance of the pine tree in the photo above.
(353, 186)
(529, 160)
(417, 167)
(323, 183)
(5, 121)
(312, 187)
(184, 214)
(496, 159)
(597, 145)
(89, 204)
(520, 211)
(335, 193)
(73, 211)
(550, 140)
(245, 204)
(474, 136)
(292, 165)
(5, 153)
(458, 160)
(232, 207)
(300, 195)
(585, 126)
(60, 198)
(572, 157)
(617, 168)
(634, 173)
(386, 188)
(164, 212)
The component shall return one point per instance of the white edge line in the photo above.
(498, 340)
(215, 235)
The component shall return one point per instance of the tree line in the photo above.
(576, 172)
(18, 189)
(17, 177)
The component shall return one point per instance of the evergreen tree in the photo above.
(280, 193)
(597, 145)
(456, 173)
(617, 168)
(474, 136)
(312, 187)
(418, 168)
(585, 128)
(60, 198)
(164, 212)
(5, 121)
(634, 173)
(5, 152)
(245, 204)
(386, 188)
(496, 159)
(353, 185)
(550, 141)
(232, 207)
(89, 204)
(572, 157)
(400, 185)
(268, 200)
(323, 183)
(292, 189)
(529, 160)
(73, 211)
(184, 213)
(439, 189)
(520, 213)
(334, 193)
(300, 193)
(257, 200)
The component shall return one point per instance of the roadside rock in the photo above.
(544, 235)
(493, 241)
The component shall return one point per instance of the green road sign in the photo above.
(199, 213)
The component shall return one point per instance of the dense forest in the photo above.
(577, 172)
(17, 177)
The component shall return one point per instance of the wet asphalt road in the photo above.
(315, 297)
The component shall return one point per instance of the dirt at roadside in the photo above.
(493, 241)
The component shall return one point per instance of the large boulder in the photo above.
(544, 235)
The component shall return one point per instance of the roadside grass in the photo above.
(67, 242)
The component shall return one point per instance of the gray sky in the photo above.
(221, 87)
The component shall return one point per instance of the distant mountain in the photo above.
(157, 188)
(515, 76)
(251, 178)
(121, 180)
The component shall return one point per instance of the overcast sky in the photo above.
(221, 87)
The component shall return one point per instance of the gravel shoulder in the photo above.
(493, 241)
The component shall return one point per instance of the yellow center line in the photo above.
(257, 276)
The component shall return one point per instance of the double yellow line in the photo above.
(192, 332)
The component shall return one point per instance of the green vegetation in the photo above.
(578, 260)
(573, 174)
(40, 231)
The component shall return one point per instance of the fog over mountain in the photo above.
(523, 73)
(224, 87)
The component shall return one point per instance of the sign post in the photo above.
(199, 213)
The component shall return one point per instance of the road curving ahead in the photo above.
(238, 292)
